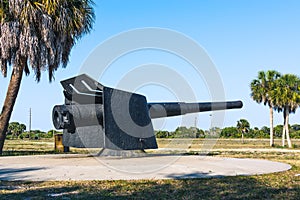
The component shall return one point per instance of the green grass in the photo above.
(221, 143)
(283, 185)
(46, 146)
(36, 147)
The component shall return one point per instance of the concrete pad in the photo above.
(86, 167)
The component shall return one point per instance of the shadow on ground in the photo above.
(12, 174)
(209, 188)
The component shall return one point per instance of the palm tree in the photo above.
(16, 128)
(260, 92)
(286, 96)
(38, 34)
(243, 126)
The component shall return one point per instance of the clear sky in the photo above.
(241, 38)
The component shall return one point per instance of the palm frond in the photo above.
(42, 31)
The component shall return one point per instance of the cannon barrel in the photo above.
(71, 116)
(158, 110)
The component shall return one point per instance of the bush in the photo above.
(24, 135)
(295, 134)
(162, 134)
(184, 132)
(258, 133)
(181, 132)
(8, 137)
(229, 132)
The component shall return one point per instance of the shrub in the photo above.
(229, 132)
(295, 134)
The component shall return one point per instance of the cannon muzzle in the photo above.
(72, 116)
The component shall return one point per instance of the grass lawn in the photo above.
(283, 185)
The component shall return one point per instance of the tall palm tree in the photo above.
(260, 92)
(243, 126)
(38, 34)
(287, 99)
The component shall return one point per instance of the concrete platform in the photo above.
(86, 167)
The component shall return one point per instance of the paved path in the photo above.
(84, 167)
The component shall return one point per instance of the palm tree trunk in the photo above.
(283, 130)
(287, 130)
(243, 137)
(271, 128)
(9, 102)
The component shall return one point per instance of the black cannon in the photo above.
(95, 116)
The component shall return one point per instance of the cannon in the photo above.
(96, 116)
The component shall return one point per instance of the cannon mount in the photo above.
(96, 116)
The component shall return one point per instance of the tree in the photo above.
(13, 128)
(295, 127)
(214, 132)
(184, 132)
(278, 130)
(243, 126)
(229, 132)
(38, 34)
(260, 92)
(265, 129)
(200, 133)
(162, 134)
(16, 128)
(286, 96)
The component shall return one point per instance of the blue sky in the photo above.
(241, 38)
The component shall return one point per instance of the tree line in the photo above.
(16, 130)
(238, 131)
